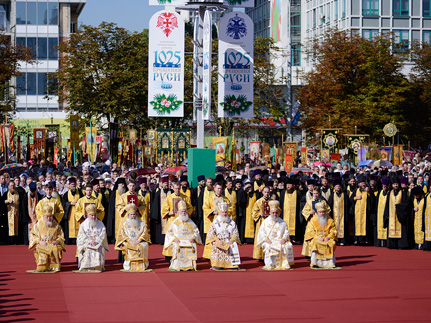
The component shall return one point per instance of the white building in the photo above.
(41, 25)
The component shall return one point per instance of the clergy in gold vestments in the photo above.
(50, 200)
(230, 193)
(426, 223)
(339, 204)
(259, 213)
(126, 199)
(70, 200)
(47, 240)
(223, 237)
(308, 211)
(145, 193)
(211, 211)
(83, 202)
(362, 202)
(321, 234)
(170, 210)
(290, 204)
(417, 215)
(133, 240)
(381, 231)
(182, 238)
(12, 201)
(249, 222)
(273, 238)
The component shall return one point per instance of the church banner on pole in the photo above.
(235, 80)
(166, 65)
(206, 77)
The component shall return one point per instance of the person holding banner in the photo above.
(223, 237)
(273, 238)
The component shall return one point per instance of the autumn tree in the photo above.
(355, 82)
(10, 58)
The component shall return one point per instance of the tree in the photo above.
(10, 58)
(103, 75)
(355, 82)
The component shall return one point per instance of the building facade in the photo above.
(41, 25)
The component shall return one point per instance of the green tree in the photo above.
(10, 58)
(355, 82)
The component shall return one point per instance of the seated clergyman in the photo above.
(273, 237)
(182, 237)
(91, 242)
(321, 234)
(223, 236)
(133, 240)
(47, 240)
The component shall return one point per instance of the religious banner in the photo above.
(354, 142)
(398, 155)
(166, 2)
(55, 156)
(254, 150)
(408, 155)
(90, 142)
(375, 153)
(281, 151)
(266, 151)
(362, 154)
(53, 139)
(329, 138)
(113, 140)
(325, 155)
(220, 145)
(386, 153)
(272, 154)
(166, 65)
(206, 74)
(69, 149)
(235, 66)
(39, 140)
(304, 156)
(7, 136)
(74, 131)
(335, 157)
(288, 163)
(181, 138)
(291, 148)
(164, 146)
(196, 83)
(32, 152)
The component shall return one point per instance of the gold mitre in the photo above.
(223, 206)
(182, 205)
(130, 208)
(91, 209)
(321, 206)
(273, 205)
(48, 209)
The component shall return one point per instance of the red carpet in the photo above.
(374, 285)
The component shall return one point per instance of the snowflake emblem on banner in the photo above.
(167, 22)
(236, 27)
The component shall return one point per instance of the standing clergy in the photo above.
(223, 238)
(33, 197)
(260, 212)
(339, 204)
(54, 202)
(95, 183)
(133, 240)
(47, 240)
(70, 199)
(145, 193)
(361, 207)
(273, 238)
(290, 204)
(230, 193)
(211, 211)
(426, 223)
(321, 235)
(80, 207)
(170, 209)
(91, 242)
(241, 207)
(381, 233)
(159, 229)
(417, 212)
(13, 209)
(249, 229)
(182, 238)
(396, 218)
(185, 186)
(198, 203)
(114, 199)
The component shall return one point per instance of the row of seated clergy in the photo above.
(182, 238)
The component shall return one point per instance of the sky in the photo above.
(133, 15)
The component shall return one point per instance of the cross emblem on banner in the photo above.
(132, 199)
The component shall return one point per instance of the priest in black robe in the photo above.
(198, 202)
(158, 226)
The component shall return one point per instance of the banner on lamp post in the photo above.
(207, 53)
(235, 80)
(166, 65)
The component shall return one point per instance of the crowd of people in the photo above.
(92, 206)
